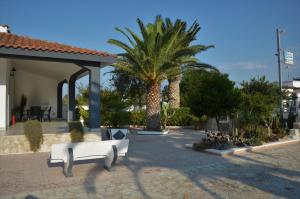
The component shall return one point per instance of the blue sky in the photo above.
(243, 32)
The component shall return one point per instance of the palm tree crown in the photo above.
(162, 46)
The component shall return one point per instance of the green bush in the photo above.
(115, 119)
(180, 117)
(76, 131)
(84, 114)
(256, 135)
(280, 132)
(277, 128)
(138, 118)
(219, 141)
(254, 141)
(197, 122)
(34, 134)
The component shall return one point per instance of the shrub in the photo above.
(180, 117)
(277, 129)
(198, 122)
(84, 114)
(219, 141)
(273, 138)
(201, 146)
(254, 141)
(138, 118)
(256, 135)
(33, 133)
(76, 131)
(280, 132)
(115, 119)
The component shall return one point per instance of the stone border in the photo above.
(141, 126)
(232, 151)
(18, 144)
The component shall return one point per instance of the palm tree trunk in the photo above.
(153, 107)
(174, 92)
(218, 122)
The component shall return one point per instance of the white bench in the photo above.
(68, 153)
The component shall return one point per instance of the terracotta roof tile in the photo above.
(15, 41)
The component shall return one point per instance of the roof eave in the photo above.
(77, 58)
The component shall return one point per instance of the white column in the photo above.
(3, 93)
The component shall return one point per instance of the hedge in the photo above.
(34, 134)
(76, 131)
(180, 117)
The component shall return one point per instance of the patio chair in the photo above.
(25, 115)
(35, 113)
(47, 114)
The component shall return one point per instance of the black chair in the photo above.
(47, 113)
(25, 115)
(35, 113)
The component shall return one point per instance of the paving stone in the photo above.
(157, 167)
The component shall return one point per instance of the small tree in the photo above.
(130, 88)
(260, 98)
(210, 93)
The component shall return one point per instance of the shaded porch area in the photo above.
(36, 70)
(45, 91)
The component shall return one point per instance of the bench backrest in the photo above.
(118, 134)
(87, 150)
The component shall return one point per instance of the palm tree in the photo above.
(152, 57)
(174, 81)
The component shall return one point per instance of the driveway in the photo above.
(158, 167)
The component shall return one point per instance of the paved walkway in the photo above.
(158, 167)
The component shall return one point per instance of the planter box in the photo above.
(233, 151)
(18, 144)
(152, 132)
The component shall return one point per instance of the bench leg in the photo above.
(111, 158)
(69, 164)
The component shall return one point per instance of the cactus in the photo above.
(166, 111)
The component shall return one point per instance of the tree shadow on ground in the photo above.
(168, 152)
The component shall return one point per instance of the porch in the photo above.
(36, 71)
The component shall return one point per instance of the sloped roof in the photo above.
(8, 40)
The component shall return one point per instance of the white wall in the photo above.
(39, 90)
(3, 28)
(3, 92)
(9, 96)
(296, 84)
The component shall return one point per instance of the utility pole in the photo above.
(278, 32)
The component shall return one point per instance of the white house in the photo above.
(38, 69)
